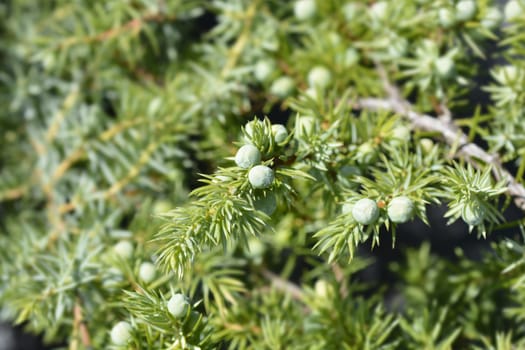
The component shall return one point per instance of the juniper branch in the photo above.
(452, 135)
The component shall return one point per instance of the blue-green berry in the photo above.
(260, 176)
(466, 10)
(472, 214)
(121, 333)
(400, 209)
(304, 9)
(279, 133)
(178, 305)
(365, 211)
(492, 19)
(446, 17)
(514, 9)
(247, 156)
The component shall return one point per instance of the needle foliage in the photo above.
(119, 125)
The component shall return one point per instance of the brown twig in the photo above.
(133, 26)
(341, 279)
(242, 328)
(242, 40)
(62, 112)
(79, 328)
(13, 193)
(283, 285)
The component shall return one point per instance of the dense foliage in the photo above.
(191, 174)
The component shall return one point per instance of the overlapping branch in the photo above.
(451, 134)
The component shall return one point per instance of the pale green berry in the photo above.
(178, 305)
(492, 19)
(282, 87)
(514, 9)
(401, 134)
(248, 128)
(260, 176)
(123, 249)
(398, 47)
(430, 47)
(365, 211)
(154, 106)
(279, 133)
(379, 10)
(426, 144)
(350, 11)
(323, 289)
(304, 9)
(283, 233)
(446, 17)
(444, 66)
(351, 57)
(366, 153)
(507, 75)
(400, 209)
(263, 69)
(256, 249)
(320, 77)
(161, 206)
(266, 204)
(247, 156)
(121, 333)
(466, 10)
(147, 272)
(311, 92)
(472, 214)
(114, 276)
(334, 38)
